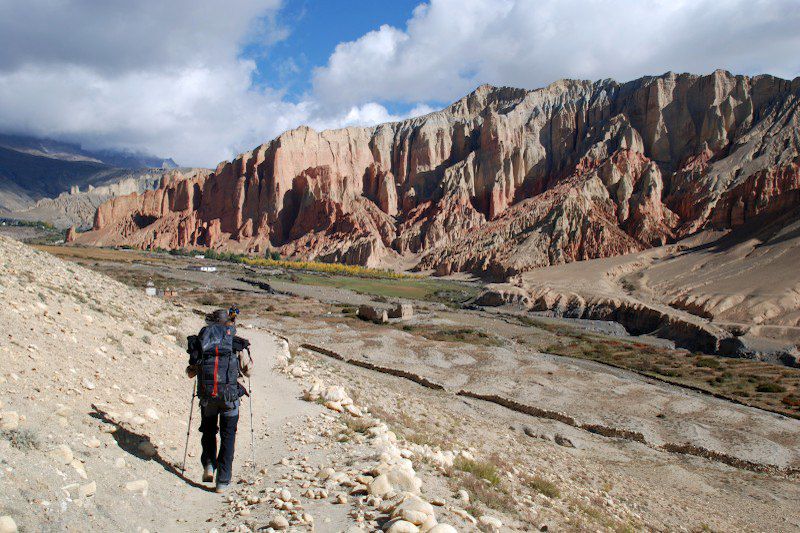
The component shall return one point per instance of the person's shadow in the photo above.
(131, 442)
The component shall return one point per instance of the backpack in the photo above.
(218, 364)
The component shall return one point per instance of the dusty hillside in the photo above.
(502, 181)
(94, 411)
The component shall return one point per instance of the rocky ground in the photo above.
(95, 408)
(94, 414)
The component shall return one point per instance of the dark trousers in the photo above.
(215, 419)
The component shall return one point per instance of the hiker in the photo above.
(217, 358)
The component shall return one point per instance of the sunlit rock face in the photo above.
(502, 181)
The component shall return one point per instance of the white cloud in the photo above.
(450, 46)
(168, 78)
(160, 77)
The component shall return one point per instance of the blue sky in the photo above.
(313, 29)
(203, 80)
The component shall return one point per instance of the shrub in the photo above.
(708, 362)
(481, 469)
(542, 486)
(22, 439)
(770, 387)
(792, 400)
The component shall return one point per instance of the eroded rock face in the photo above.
(502, 181)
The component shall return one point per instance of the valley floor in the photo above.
(95, 407)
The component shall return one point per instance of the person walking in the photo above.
(218, 359)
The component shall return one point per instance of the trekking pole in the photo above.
(252, 431)
(188, 429)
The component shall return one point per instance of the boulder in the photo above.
(372, 313)
(402, 311)
(7, 524)
(401, 526)
(490, 524)
(413, 509)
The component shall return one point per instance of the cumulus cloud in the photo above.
(450, 46)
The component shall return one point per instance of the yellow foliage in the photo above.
(327, 268)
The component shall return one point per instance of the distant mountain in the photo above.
(33, 168)
(75, 152)
(501, 182)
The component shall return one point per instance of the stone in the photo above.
(62, 453)
(151, 414)
(139, 485)
(489, 524)
(93, 442)
(413, 509)
(87, 384)
(334, 394)
(563, 441)
(402, 311)
(9, 420)
(443, 528)
(373, 313)
(279, 523)
(88, 490)
(7, 524)
(79, 468)
(401, 526)
(334, 406)
(380, 485)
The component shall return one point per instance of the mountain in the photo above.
(32, 168)
(500, 182)
(78, 207)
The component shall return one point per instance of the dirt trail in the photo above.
(277, 408)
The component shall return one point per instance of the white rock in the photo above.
(9, 420)
(413, 509)
(353, 410)
(334, 394)
(334, 406)
(88, 490)
(62, 453)
(94, 442)
(79, 469)
(401, 526)
(489, 524)
(404, 479)
(87, 384)
(7, 525)
(152, 414)
(380, 486)
(139, 485)
(428, 524)
(443, 528)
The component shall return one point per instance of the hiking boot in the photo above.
(222, 487)
(208, 474)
